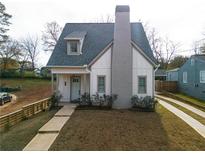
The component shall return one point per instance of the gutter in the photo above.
(50, 66)
(154, 77)
(157, 68)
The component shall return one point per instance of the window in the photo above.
(202, 76)
(184, 77)
(101, 84)
(142, 84)
(73, 46)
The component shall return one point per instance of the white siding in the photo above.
(141, 67)
(64, 89)
(101, 67)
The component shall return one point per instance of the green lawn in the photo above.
(192, 114)
(20, 134)
(191, 99)
(31, 90)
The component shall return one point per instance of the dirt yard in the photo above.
(127, 130)
(32, 90)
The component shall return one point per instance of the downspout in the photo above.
(154, 78)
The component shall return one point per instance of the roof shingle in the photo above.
(98, 36)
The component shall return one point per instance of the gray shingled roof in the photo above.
(98, 36)
(76, 34)
(200, 56)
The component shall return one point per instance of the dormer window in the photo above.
(74, 46)
(75, 42)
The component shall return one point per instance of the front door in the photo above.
(75, 88)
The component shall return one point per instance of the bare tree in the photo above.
(11, 49)
(156, 44)
(50, 35)
(4, 23)
(202, 48)
(170, 49)
(163, 49)
(105, 19)
(30, 45)
(23, 61)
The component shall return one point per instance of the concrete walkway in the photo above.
(48, 133)
(187, 106)
(200, 128)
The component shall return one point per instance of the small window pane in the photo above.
(142, 85)
(101, 84)
(73, 46)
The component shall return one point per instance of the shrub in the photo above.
(146, 102)
(110, 99)
(55, 99)
(85, 99)
(97, 100)
(10, 89)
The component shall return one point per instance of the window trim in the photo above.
(104, 83)
(200, 76)
(142, 76)
(184, 78)
(69, 47)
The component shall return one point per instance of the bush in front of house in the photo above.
(55, 99)
(85, 100)
(97, 100)
(145, 103)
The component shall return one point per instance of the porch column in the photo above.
(57, 81)
(84, 82)
(52, 87)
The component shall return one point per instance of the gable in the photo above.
(139, 61)
(104, 61)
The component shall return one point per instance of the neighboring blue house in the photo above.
(191, 77)
(172, 75)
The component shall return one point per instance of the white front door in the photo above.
(75, 88)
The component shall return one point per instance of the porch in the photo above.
(70, 82)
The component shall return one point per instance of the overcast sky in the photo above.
(181, 20)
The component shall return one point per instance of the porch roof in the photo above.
(70, 71)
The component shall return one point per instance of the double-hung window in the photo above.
(184, 77)
(101, 84)
(202, 76)
(142, 85)
(74, 46)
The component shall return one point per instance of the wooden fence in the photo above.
(170, 86)
(26, 111)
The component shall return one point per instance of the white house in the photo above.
(104, 58)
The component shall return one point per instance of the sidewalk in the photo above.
(48, 133)
(200, 128)
(187, 106)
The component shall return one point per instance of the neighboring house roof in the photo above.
(173, 70)
(160, 72)
(97, 37)
(201, 57)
